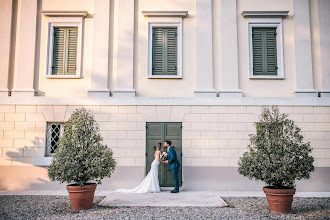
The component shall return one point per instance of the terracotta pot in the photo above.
(81, 197)
(279, 200)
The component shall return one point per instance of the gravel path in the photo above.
(58, 207)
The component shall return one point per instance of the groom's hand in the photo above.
(166, 161)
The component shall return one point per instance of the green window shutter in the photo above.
(158, 51)
(65, 51)
(72, 51)
(171, 54)
(264, 51)
(58, 52)
(164, 51)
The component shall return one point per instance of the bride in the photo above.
(150, 182)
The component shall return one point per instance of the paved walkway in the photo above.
(165, 198)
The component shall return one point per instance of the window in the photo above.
(264, 51)
(164, 51)
(65, 51)
(54, 132)
(265, 44)
(64, 43)
(165, 43)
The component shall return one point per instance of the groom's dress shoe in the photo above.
(175, 191)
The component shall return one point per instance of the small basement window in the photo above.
(55, 130)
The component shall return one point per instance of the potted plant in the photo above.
(277, 156)
(81, 159)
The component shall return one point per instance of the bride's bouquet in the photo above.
(164, 156)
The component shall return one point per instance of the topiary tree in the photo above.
(80, 155)
(276, 154)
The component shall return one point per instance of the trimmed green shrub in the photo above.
(80, 155)
(276, 154)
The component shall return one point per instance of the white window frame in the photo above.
(170, 22)
(63, 22)
(272, 23)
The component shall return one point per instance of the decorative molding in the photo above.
(181, 14)
(162, 101)
(165, 22)
(259, 14)
(62, 13)
(275, 22)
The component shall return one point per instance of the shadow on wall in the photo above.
(21, 174)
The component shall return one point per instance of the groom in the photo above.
(173, 163)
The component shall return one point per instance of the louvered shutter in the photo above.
(264, 51)
(65, 51)
(164, 51)
(171, 52)
(158, 51)
(72, 51)
(58, 52)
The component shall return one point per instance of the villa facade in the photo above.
(193, 71)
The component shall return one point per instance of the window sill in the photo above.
(266, 77)
(62, 77)
(42, 161)
(164, 77)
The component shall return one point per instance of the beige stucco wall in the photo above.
(161, 87)
(266, 88)
(165, 87)
(212, 136)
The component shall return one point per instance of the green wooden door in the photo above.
(159, 132)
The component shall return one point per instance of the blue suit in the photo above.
(174, 165)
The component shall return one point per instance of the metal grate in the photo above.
(54, 132)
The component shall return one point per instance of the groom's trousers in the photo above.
(175, 173)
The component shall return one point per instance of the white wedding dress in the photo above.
(150, 184)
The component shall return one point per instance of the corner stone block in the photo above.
(210, 153)
(318, 110)
(7, 108)
(219, 109)
(127, 109)
(110, 109)
(28, 126)
(14, 116)
(6, 143)
(200, 144)
(59, 113)
(47, 111)
(219, 143)
(41, 126)
(14, 134)
(308, 110)
(237, 109)
(35, 117)
(35, 134)
(125, 161)
(7, 126)
(26, 108)
(22, 143)
(200, 109)
(119, 152)
(228, 153)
